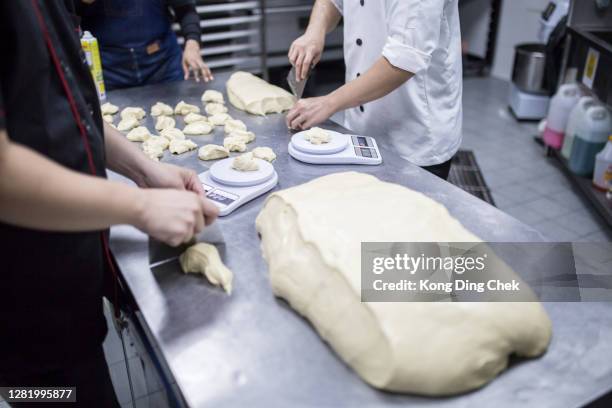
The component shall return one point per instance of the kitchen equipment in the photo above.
(528, 95)
(297, 87)
(341, 149)
(552, 14)
(228, 188)
(602, 175)
(573, 121)
(594, 129)
(560, 107)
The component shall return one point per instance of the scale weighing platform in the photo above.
(229, 188)
(341, 149)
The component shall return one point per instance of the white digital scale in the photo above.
(229, 188)
(341, 149)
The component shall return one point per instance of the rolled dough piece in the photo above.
(219, 119)
(126, 124)
(245, 162)
(234, 124)
(183, 108)
(161, 109)
(204, 258)
(180, 146)
(137, 113)
(212, 152)
(245, 135)
(312, 244)
(264, 153)
(254, 95)
(234, 144)
(194, 117)
(317, 136)
(109, 109)
(212, 96)
(213, 108)
(164, 122)
(138, 134)
(154, 146)
(198, 128)
(172, 133)
(108, 118)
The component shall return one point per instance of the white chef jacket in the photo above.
(423, 117)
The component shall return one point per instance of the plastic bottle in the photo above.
(89, 43)
(597, 125)
(574, 119)
(602, 176)
(561, 105)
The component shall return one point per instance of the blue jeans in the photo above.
(159, 62)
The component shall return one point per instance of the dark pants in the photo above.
(441, 170)
(90, 376)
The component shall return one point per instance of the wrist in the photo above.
(192, 43)
(334, 102)
(136, 207)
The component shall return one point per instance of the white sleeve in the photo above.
(414, 32)
(338, 4)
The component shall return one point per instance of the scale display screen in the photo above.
(362, 141)
(222, 197)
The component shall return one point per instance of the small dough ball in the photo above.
(108, 118)
(245, 135)
(183, 108)
(198, 128)
(264, 153)
(194, 117)
(161, 109)
(154, 146)
(219, 119)
(180, 146)
(213, 108)
(245, 162)
(137, 113)
(317, 136)
(164, 122)
(127, 124)
(172, 133)
(234, 124)
(139, 134)
(109, 109)
(212, 96)
(234, 144)
(204, 258)
(212, 152)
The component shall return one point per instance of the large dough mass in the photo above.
(311, 239)
(254, 95)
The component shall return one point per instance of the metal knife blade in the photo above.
(297, 87)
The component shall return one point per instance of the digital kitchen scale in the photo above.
(229, 188)
(341, 149)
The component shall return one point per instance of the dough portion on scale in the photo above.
(198, 128)
(312, 245)
(183, 108)
(212, 152)
(264, 153)
(254, 95)
(161, 109)
(194, 117)
(245, 162)
(234, 144)
(204, 258)
(180, 146)
(109, 109)
(138, 134)
(317, 136)
(172, 133)
(134, 112)
(164, 122)
(212, 96)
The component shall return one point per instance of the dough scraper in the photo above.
(297, 87)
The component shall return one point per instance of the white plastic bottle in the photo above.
(561, 105)
(575, 118)
(602, 176)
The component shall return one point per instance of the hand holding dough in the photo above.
(161, 109)
(212, 152)
(245, 162)
(234, 124)
(139, 134)
(172, 133)
(194, 117)
(180, 146)
(264, 153)
(183, 108)
(254, 95)
(128, 123)
(198, 128)
(214, 108)
(164, 122)
(137, 113)
(204, 258)
(317, 136)
(109, 109)
(219, 119)
(212, 96)
(234, 144)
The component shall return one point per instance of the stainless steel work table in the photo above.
(251, 349)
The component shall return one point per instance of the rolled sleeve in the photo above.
(414, 32)
(338, 4)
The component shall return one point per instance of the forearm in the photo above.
(37, 193)
(323, 18)
(123, 157)
(381, 79)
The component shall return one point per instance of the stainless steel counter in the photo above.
(251, 349)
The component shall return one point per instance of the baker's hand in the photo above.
(193, 62)
(309, 112)
(305, 52)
